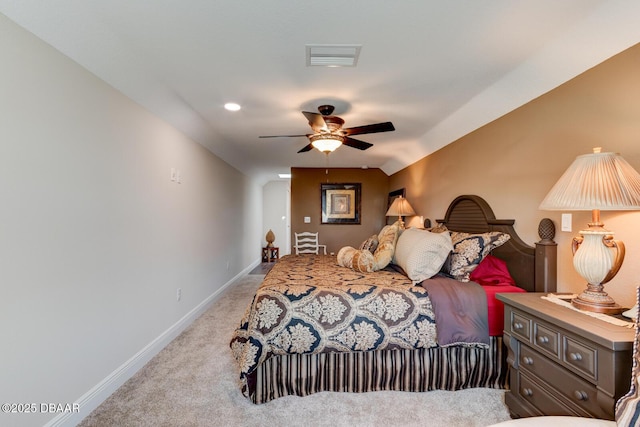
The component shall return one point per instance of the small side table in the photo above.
(270, 254)
(561, 361)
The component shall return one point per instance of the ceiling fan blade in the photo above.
(306, 148)
(315, 121)
(356, 143)
(375, 128)
(279, 136)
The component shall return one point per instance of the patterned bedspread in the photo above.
(310, 304)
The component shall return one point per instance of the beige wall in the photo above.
(95, 238)
(515, 160)
(305, 196)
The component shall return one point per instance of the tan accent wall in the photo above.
(305, 196)
(514, 161)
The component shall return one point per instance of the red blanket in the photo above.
(496, 308)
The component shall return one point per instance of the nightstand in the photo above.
(561, 361)
(270, 254)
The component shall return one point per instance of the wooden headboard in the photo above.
(532, 267)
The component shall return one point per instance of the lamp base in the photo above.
(597, 301)
(401, 223)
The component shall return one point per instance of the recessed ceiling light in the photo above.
(285, 175)
(232, 106)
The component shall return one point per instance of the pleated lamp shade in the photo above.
(400, 207)
(603, 181)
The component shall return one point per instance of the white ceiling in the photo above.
(436, 69)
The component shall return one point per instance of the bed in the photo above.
(315, 325)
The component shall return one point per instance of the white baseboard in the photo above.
(105, 388)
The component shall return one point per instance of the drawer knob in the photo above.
(518, 325)
(527, 360)
(527, 392)
(575, 357)
(543, 339)
(581, 395)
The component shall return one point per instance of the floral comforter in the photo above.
(310, 304)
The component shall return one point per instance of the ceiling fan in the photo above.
(328, 133)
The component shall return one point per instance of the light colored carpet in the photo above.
(193, 382)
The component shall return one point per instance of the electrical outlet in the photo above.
(179, 294)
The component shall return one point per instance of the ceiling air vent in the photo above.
(336, 55)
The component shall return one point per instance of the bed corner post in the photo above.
(546, 258)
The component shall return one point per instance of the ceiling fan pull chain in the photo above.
(326, 162)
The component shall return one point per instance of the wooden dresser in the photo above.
(561, 361)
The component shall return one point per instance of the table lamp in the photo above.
(595, 182)
(400, 207)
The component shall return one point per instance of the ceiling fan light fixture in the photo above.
(328, 133)
(326, 143)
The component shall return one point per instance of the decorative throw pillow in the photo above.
(363, 261)
(345, 256)
(440, 228)
(371, 244)
(387, 239)
(421, 253)
(469, 250)
(357, 259)
(492, 271)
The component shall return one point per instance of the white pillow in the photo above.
(421, 254)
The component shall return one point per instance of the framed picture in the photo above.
(340, 203)
(392, 196)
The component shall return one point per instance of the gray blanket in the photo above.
(460, 309)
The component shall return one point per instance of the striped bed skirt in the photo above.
(438, 368)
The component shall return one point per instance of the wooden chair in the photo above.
(307, 243)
